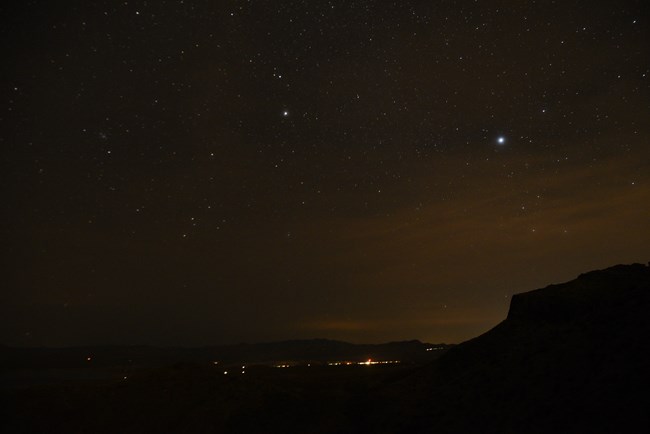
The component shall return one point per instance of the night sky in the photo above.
(210, 172)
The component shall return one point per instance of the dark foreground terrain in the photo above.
(569, 358)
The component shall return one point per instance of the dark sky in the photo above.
(205, 172)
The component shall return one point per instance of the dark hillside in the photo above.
(572, 357)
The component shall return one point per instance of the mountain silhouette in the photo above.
(571, 358)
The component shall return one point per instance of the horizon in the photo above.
(238, 343)
(314, 339)
(234, 343)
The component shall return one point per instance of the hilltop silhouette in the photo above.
(571, 357)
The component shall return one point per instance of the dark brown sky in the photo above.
(200, 172)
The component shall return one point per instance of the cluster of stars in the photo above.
(279, 151)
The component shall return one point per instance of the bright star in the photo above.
(285, 113)
(501, 140)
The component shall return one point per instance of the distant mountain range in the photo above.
(295, 351)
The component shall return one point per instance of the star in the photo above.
(285, 113)
(501, 140)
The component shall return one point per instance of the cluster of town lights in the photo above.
(348, 363)
(366, 363)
